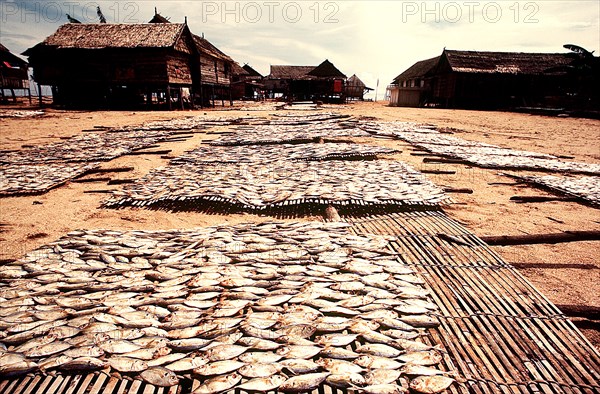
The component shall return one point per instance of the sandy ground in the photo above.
(572, 279)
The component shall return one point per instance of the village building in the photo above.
(355, 88)
(117, 65)
(296, 83)
(13, 74)
(156, 64)
(216, 69)
(246, 83)
(487, 80)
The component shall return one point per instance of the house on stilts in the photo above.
(150, 65)
(485, 80)
(316, 83)
(13, 75)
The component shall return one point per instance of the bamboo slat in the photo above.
(23, 385)
(500, 333)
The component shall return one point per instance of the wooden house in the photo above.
(215, 72)
(412, 87)
(215, 69)
(13, 74)
(355, 88)
(117, 65)
(487, 80)
(321, 83)
(246, 83)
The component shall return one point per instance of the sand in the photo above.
(573, 279)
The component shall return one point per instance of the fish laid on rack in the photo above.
(278, 305)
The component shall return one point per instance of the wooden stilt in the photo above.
(169, 106)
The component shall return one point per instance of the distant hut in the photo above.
(13, 74)
(355, 88)
(489, 80)
(469, 79)
(412, 88)
(321, 83)
(117, 65)
(246, 83)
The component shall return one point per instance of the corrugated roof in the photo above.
(419, 69)
(290, 72)
(327, 70)
(115, 35)
(504, 62)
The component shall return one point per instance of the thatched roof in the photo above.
(323, 70)
(417, 70)
(114, 35)
(11, 58)
(504, 62)
(327, 70)
(205, 47)
(251, 71)
(158, 18)
(355, 81)
(290, 72)
(236, 69)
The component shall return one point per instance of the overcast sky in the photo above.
(373, 39)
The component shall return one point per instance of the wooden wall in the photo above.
(214, 71)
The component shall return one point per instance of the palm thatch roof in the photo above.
(355, 82)
(205, 47)
(252, 72)
(504, 62)
(327, 70)
(10, 58)
(113, 35)
(417, 70)
(202, 44)
(236, 69)
(290, 72)
(323, 70)
(158, 18)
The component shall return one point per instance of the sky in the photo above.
(375, 40)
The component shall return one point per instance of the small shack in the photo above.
(246, 83)
(117, 65)
(412, 87)
(355, 88)
(487, 80)
(13, 74)
(321, 83)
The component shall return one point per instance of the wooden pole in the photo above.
(40, 94)
(169, 97)
(567, 236)
(522, 199)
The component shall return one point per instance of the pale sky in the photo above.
(373, 39)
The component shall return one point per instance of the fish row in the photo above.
(584, 187)
(287, 130)
(270, 153)
(38, 178)
(256, 185)
(88, 147)
(483, 154)
(279, 302)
